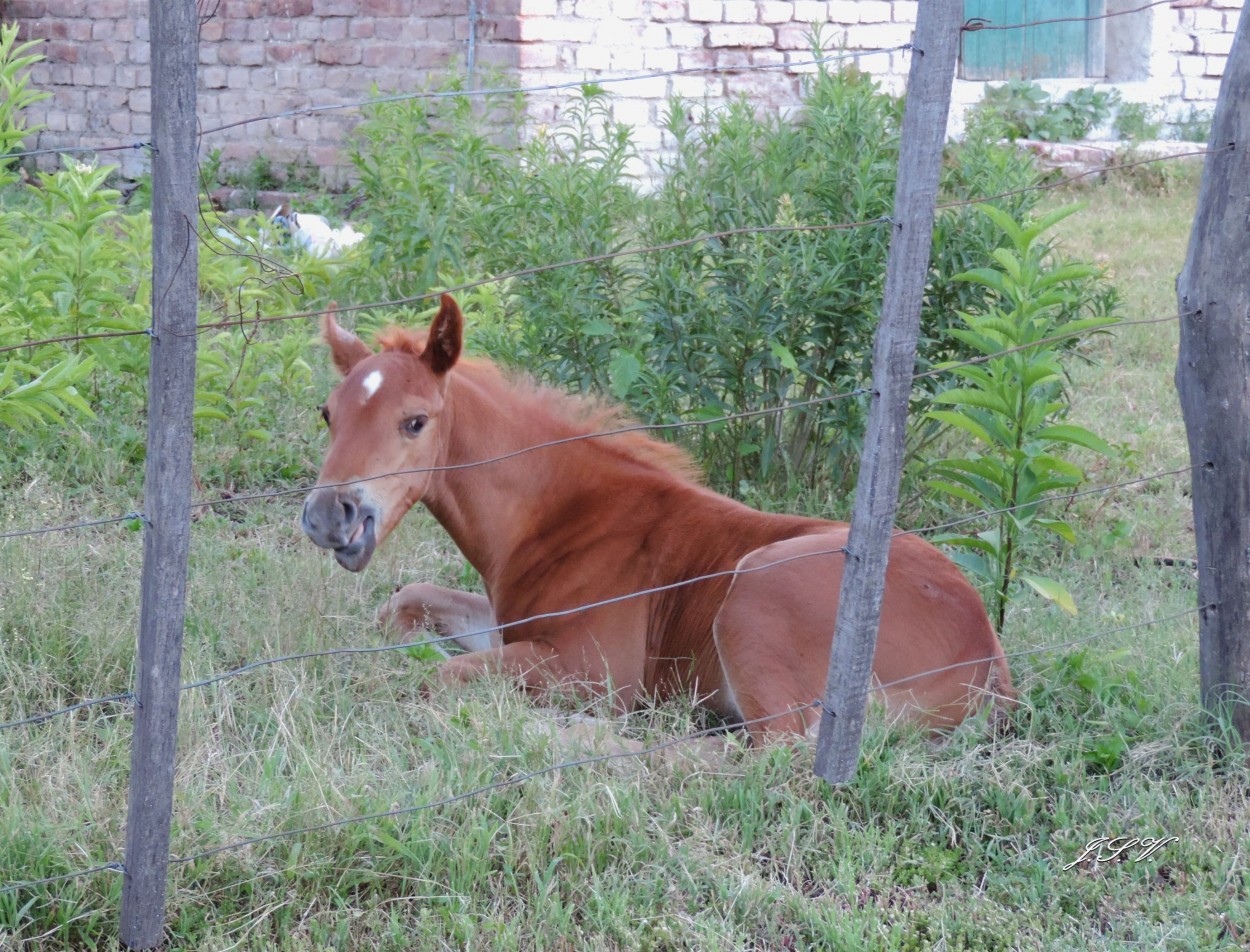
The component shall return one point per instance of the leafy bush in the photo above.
(1020, 109)
(1138, 121)
(704, 329)
(73, 263)
(15, 62)
(29, 393)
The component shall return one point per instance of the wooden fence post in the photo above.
(167, 486)
(929, 84)
(1213, 378)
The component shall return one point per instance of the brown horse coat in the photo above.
(557, 527)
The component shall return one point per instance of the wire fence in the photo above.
(128, 697)
(946, 367)
(247, 323)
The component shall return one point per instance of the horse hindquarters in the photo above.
(774, 633)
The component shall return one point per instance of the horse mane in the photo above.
(403, 340)
(584, 414)
(591, 414)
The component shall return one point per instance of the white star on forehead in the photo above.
(372, 382)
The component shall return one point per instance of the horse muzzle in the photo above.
(344, 520)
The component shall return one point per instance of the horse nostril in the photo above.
(308, 516)
(349, 510)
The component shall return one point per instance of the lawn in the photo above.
(978, 842)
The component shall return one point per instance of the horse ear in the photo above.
(442, 347)
(345, 347)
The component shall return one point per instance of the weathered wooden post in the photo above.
(167, 486)
(929, 83)
(1213, 378)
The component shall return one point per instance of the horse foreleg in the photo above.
(536, 665)
(463, 616)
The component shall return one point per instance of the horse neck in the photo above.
(489, 510)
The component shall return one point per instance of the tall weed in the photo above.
(1013, 406)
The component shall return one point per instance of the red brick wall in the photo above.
(257, 57)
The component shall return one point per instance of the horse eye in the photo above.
(414, 425)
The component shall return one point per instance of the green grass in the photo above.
(958, 845)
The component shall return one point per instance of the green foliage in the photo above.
(564, 197)
(45, 397)
(1013, 405)
(1146, 174)
(1138, 121)
(257, 175)
(15, 92)
(1021, 109)
(1105, 705)
(704, 329)
(1194, 126)
(420, 164)
(73, 262)
(29, 393)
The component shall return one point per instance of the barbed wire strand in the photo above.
(631, 428)
(476, 93)
(78, 150)
(977, 24)
(972, 25)
(699, 239)
(444, 639)
(1057, 497)
(48, 715)
(555, 87)
(1044, 649)
(676, 425)
(1077, 176)
(48, 880)
(505, 626)
(506, 782)
(19, 533)
(250, 322)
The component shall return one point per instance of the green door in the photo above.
(1047, 50)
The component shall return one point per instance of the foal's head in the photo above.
(384, 432)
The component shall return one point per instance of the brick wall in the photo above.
(260, 57)
(257, 57)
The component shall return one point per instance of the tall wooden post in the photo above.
(1213, 378)
(167, 486)
(894, 360)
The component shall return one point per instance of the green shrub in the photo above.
(421, 164)
(16, 59)
(706, 329)
(30, 392)
(1021, 109)
(1138, 121)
